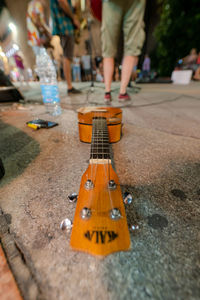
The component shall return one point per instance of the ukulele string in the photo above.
(93, 165)
(107, 172)
(99, 146)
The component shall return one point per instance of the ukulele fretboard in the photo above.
(100, 147)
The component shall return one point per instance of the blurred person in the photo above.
(86, 64)
(116, 72)
(23, 75)
(134, 73)
(188, 62)
(76, 68)
(38, 32)
(197, 74)
(99, 73)
(30, 74)
(191, 57)
(146, 66)
(197, 71)
(2, 65)
(98, 60)
(64, 23)
(198, 59)
(128, 14)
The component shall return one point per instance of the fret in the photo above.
(100, 147)
(100, 156)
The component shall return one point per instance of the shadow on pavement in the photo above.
(17, 150)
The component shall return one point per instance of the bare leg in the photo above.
(197, 74)
(67, 72)
(108, 64)
(128, 63)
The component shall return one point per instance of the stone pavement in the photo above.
(157, 160)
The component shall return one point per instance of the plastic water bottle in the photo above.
(48, 82)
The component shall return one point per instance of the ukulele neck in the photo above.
(100, 148)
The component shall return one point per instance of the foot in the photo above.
(124, 97)
(107, 97)
(196, 78)
(73, 91)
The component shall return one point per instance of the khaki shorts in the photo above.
(127, 15)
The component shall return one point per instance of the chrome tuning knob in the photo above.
(112, 185)
(128, 199)
(72, 197)
(89, 185)
(115, 214)
(85, 213)
(66, 224)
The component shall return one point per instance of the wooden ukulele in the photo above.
(100, 225)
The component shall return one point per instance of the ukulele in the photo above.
(100, 225)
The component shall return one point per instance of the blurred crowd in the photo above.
(190, 62)
(86, 67)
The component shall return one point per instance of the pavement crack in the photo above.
(18, 261)
(177, 134)
(164, 131)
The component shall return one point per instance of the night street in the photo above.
(157, 161)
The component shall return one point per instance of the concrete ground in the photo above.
(157, 160)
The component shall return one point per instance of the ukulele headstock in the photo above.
(100, 225)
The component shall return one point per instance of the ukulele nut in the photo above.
(112, 185)
(89, 185)
(115, 214)
(85, 213)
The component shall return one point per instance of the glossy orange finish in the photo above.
(114, 119)
(85, 132)
(100, 234)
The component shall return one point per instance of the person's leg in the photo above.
(25, 75)
(111, 25)
(85, 75)
(133, 28)
(74, 73)
(67, 72)
(20, 76)
(128, 63)
(89, 75)
(108, 66)
(79, 73)
(67, 43)
(197, 74)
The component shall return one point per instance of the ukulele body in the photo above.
(114, 123)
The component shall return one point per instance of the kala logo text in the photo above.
(100, 236)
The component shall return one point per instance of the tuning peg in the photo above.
(86, 213)
(72, 197)
(115, 214)
(112, 185)
(127, 198)
(89, 185)
(134, 227)
(66, 224)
